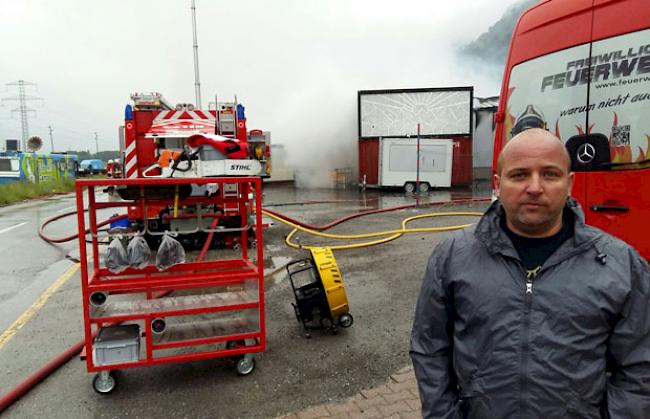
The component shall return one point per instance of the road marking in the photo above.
(42, 299)
(66, 209)
(12, 227)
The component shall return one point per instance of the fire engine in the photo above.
(181, 141)
(161, 140)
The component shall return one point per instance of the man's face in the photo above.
(533, 185)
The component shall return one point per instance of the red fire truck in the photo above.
(158, 136)
(161, 140)
(581, 69)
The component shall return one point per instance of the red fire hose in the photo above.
(42, 235)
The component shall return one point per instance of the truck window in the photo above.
(8, 165)
(548, 92)
(571, 93)
(620, 96)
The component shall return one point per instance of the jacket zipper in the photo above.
(528, 302)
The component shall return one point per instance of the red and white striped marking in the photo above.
(174, 121)
(130, 155)
(131, 161)
(173, 115)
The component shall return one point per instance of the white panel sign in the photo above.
(397, 114)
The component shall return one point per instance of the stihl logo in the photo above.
(240, 167)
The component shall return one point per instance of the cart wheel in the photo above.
(245, 365)
(105, 382)
(346, 320)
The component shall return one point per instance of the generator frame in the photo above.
(321, 303)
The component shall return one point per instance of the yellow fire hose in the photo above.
(392, 234)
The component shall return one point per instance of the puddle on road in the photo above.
(287, 198)
(273, 247)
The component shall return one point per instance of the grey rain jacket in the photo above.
(485, 348)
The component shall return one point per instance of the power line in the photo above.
(24, 110)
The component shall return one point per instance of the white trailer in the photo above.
(398, 163)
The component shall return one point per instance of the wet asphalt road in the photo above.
(29, 265)
(382, 283)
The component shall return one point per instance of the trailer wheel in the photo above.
(424, 187)
(245, 365)
(409, 187)
(105, 382)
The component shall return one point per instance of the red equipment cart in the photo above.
(132, 318)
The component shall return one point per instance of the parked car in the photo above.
(91, 167)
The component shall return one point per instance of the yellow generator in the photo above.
(321, 301)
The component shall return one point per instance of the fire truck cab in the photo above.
(581, 69)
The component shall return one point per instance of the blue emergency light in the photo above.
(128, 113)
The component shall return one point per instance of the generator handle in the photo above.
(295, 262)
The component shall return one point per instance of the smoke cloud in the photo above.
(489, 50)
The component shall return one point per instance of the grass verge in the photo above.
(20, 191)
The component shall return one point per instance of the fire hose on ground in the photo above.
(392, 234)
(23, 387)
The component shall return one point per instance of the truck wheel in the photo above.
(409, 187)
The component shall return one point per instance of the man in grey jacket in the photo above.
(532, 314)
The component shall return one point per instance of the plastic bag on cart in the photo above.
(116, 259)
(170, 252)
(138, 252)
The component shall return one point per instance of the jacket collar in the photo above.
(489, 231)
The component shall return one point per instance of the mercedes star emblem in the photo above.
(586, 153)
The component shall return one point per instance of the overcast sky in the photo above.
(295, 64)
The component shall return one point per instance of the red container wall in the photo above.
(461, 169)
(369, 161)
